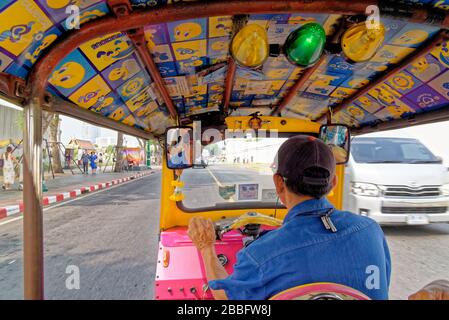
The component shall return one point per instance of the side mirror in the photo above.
(338, 138)
(178, 147)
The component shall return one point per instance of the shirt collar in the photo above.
(312, 206)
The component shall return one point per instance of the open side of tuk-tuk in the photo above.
(142, 67)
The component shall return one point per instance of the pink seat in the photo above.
(320, 291)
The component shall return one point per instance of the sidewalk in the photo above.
(67, 186)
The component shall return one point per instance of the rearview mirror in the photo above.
(178, 146)
(337, 137)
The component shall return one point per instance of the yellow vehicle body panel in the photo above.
(171, 215)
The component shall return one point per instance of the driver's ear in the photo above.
(334, 181)
(278, 183)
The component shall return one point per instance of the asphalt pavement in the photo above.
(112, 237)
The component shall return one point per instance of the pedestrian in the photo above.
(93, 162)
(100, 159)
(8, 168)
(85, 160)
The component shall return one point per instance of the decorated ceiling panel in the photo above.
(422, 86)
(107, 76)
(337, 79)
(192, 56)
(28, 27)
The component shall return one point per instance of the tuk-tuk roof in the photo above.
(140, 66)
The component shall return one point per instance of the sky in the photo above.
(70, 128)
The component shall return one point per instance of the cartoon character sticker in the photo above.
(360, 115)
(71, 73)
(121, 71)
(190, 50)
(277, 73)
(185, 30)
(119, 113)
(413, 35)
(368, 103)
(425, 97)
(18, 33)
(155, 34)
(107, 104)
(167, 69)
(218, 47)
(441, 84)
(342, 93)
(104, 51)
(339, 65)
(345, 118)
(57, 8)
(86, 15)
(442, 53)
(40, 43)
(403, 82)
(441, 4)
(220, 26)
(425, 68)
(391, 54)
(91, 92)
(161, 53)
(132, 86)
(390, 99)
(145, 96)
(355, 82)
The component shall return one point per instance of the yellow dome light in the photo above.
(360, 43)
(249, 46)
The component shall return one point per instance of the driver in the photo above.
(316, 243)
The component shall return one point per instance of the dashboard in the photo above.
(180, 273)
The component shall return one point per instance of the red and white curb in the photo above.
(11, 210)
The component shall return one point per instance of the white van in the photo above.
(396, 181)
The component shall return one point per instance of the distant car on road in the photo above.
(396, 181)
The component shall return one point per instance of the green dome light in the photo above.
(305, 45)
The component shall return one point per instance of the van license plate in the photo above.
(417, 219)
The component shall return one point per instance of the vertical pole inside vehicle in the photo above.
(33, 253)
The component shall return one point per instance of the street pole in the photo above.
(33, 252)
(148, 147)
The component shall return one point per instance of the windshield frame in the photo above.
(244, 205)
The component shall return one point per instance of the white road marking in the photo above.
(75, 199)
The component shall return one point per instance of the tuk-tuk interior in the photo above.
(141, 67)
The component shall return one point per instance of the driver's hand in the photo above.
(202, 232)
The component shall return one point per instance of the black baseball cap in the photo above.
(299, 154)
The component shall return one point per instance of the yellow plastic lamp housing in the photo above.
(360, 43)
(249, 46)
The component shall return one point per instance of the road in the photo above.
(111, 236)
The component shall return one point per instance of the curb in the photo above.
(15, 209)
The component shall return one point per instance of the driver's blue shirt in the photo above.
(303, 251)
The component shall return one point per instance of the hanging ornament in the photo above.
(305, 45)
(177, 194)
(249, 46)
(360, 43)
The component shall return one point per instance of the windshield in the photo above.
(387, 150)
(235, 172)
